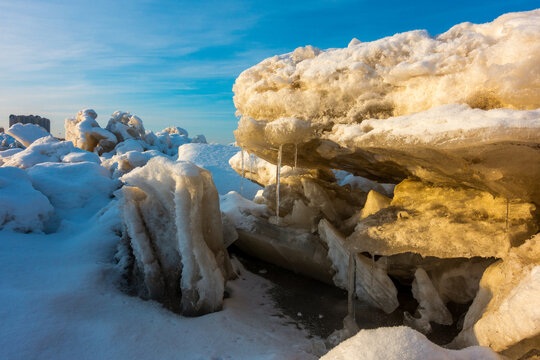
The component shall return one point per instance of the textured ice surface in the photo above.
(85, 132)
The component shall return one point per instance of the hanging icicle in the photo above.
(251, 166)
(278, 175)
(242, 180)
(295, 155)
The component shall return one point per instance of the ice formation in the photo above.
(9, 142)
(506, 310)
(26, 134)
(453, 120)
(486, 66)
(171, 216)
(85, 132)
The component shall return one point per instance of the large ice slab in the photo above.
(456, 109)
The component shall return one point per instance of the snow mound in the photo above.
(22, 208)
(124, 162)
(401, 343)
(26, 134)
(48, 149)
(171, 216)
(73, 187)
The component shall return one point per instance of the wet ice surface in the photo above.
(320, 308)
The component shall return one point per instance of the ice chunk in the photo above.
(22, 208)
(85, 132)
(173, 223)
(125, 126)
(123, 163)
(506, 310)
(372, 282)
(425, 219)
(26, 134)
(430, 305)
(401, 343)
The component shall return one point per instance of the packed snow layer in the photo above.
(22, 207)
(215, 158)
(486, 66)
(171, 216)
(59, 300)
(85, 132)
(26, 134)
(125, 126)
(401, 343)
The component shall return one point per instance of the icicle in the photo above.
(372, 268)
(278, 174)
(295, 155)
(507, 206)
(242, 180)
(251, 165)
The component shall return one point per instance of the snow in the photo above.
(401, 343)
(215, 157)
(47, 149)
(59, 300)
(22, 208)
(26, 134)
(71, 187)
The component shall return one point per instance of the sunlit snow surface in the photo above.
(59, 301)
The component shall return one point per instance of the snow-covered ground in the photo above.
(59, 300)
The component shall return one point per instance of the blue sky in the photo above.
(173, 63)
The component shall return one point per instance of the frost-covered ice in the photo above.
(26, 133)
(401, 343)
